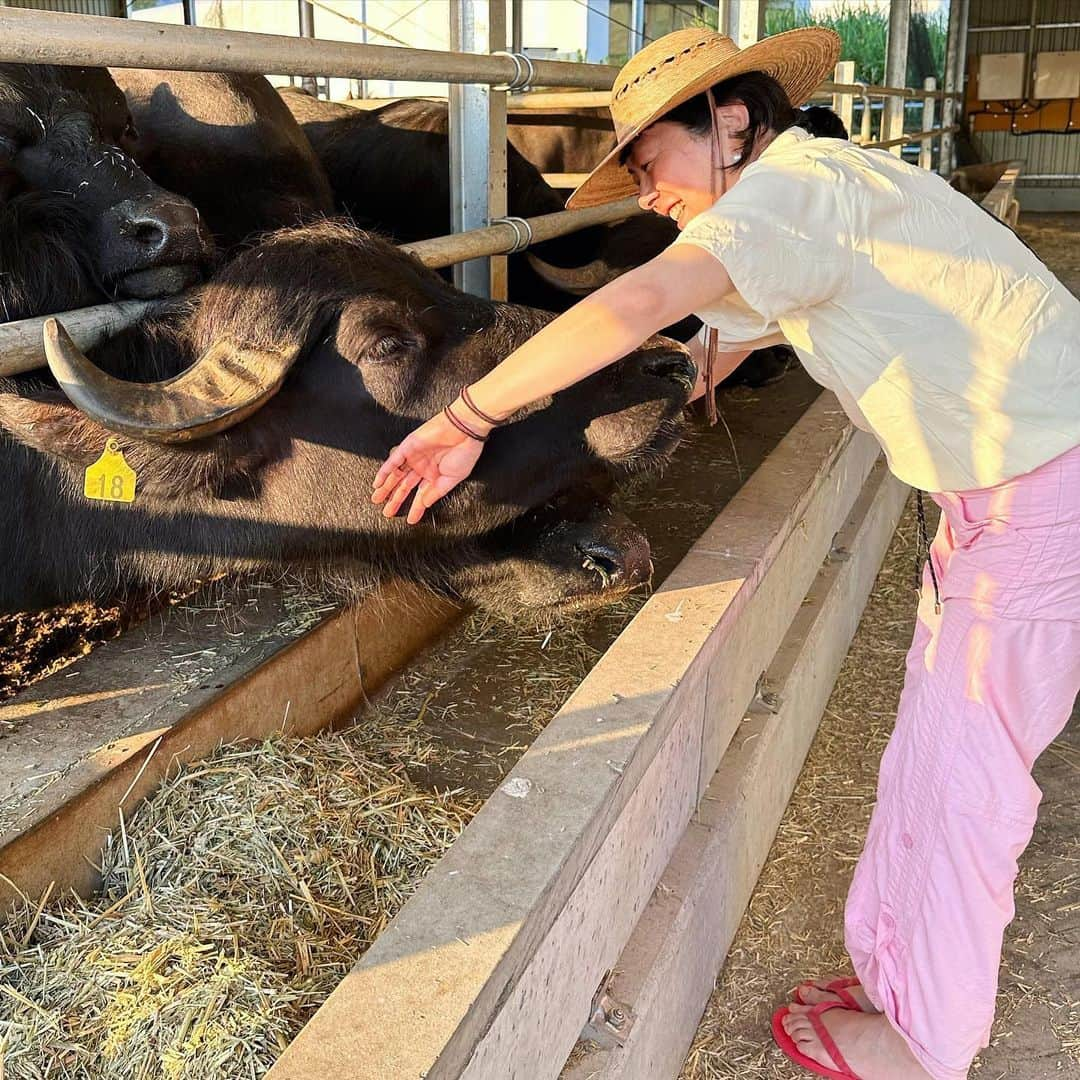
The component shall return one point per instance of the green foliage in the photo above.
(863, 30)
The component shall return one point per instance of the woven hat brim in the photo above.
(799, 60)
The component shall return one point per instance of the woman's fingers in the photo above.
(394, 461)
(401, 493)
(430, 493)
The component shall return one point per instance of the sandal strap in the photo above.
(839, 988)
(827, 1041)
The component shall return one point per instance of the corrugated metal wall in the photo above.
(1053, 154)
(114, 8)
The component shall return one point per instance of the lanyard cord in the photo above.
(922, 551)
(716, 160)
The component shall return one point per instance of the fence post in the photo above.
(307, 29)
(948, 105)
(844, 104)
(892, 116)
(743, 21)
(926, 149)
(477, 140)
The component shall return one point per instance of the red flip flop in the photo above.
(790, 1050)
(839, 987)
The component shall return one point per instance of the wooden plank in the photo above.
(487, 969)
(666, 972)
(112, 734)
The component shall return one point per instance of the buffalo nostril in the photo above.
(601, 559)
(149, 234)
(677, 367)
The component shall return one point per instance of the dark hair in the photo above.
(765, 99)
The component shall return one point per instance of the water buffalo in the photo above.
(561, 140)
(290, 374)
(227, 143)
(389, 169)
(79, 221)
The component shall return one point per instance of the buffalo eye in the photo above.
(9, 147)
(389, 347)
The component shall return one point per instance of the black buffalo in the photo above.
(79, 221)
(364, 343)
(389, 169)
(227, 143)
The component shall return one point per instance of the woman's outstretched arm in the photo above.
(594, 333)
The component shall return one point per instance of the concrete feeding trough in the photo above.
(660, 782)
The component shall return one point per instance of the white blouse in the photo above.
(937, 329)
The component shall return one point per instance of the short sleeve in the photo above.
(780, 236)
(738, 325)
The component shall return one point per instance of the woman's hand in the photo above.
(435, 458)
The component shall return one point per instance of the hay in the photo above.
(235, 899)
(233, 902)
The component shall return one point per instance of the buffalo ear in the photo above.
(45, 421)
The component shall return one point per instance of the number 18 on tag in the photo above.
(110, 478)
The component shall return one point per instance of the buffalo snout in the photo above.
(619, 562)
(153, 245)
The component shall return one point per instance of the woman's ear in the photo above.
(734, 118)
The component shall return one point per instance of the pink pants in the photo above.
(990, 683)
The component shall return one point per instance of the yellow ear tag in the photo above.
(110, 478)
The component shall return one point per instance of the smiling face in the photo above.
(673, 165)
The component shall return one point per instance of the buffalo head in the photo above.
(78, 219)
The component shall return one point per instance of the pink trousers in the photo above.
(991, 681)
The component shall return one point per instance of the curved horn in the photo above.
(225, 385)
(579, 280)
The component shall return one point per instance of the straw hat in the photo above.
(679, 66)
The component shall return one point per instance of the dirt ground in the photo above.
(793, 927)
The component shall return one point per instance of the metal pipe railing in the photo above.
(45, 37)
(48, 37)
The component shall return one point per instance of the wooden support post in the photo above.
(892, 121)
(844, 104)
(926, 148)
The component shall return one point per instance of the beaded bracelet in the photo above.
(462, 427)
(467, 398)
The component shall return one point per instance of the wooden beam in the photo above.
(490, 969)
(668, 968)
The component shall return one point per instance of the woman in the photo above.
(944, 336)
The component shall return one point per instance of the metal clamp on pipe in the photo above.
(524, 72)
(523, 234)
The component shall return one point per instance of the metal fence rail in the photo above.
(44, 37)
(21, 347)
